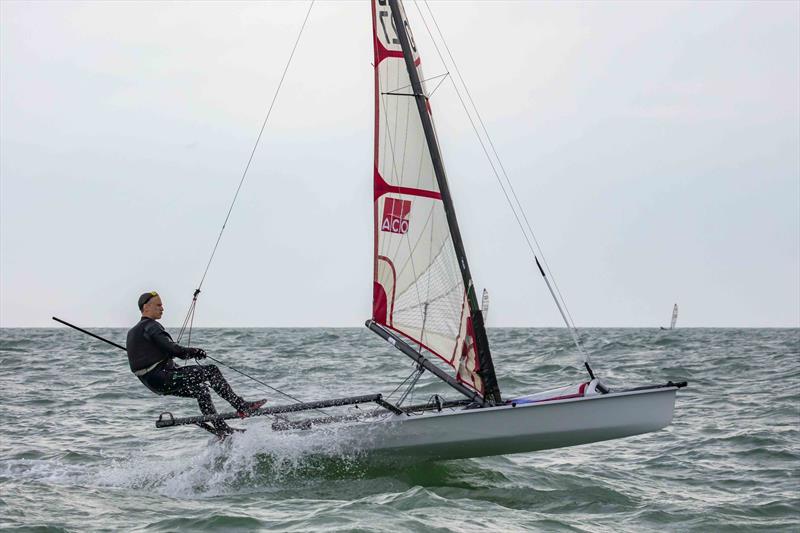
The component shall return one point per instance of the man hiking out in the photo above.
(150, 353)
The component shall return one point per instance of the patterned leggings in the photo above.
(192, 381)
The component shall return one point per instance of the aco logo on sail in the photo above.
(395, 215)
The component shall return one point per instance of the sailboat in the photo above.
(425, 305)
(674, 318)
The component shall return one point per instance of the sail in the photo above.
(674, 316)
(418, 286)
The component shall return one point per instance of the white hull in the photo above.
(524, 428)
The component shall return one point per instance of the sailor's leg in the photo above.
(190, 381)
(221, 386)
(196, 375)
(207, 408)
(204, 400)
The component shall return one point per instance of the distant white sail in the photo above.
(674, 317)
(485, 306)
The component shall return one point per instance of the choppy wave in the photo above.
(81, 451)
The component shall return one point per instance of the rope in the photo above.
(411, 385)
(261, 382)
(438, 85)
(403, 383)
(189, 319)
(416, 373)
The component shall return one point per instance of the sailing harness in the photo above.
(143, 371)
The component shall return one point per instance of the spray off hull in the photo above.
(512, 429)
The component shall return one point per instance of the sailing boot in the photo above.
(222, 429)
(248, 408)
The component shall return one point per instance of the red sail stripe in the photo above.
(390, 311)
(381, 188)
(375, 154)
(382, 53)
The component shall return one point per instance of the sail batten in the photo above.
(422, 288)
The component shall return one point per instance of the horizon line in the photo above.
(360, 326)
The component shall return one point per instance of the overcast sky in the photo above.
(654, 146)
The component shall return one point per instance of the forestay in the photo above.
(418, 289)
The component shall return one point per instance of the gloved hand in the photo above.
(197, 353)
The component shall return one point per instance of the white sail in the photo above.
(674, 316)
(418, 288)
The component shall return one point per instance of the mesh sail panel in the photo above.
(418, 288)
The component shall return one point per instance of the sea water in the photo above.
(79, 450)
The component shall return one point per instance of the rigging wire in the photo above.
(516, 209)
(446, 74)
(411, 385)
(411, 375)
(414, 377)
(394, 91)
(262, 383)
(249, 161)
(189, 319)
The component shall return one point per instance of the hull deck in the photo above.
(508, 429)
(457, 432)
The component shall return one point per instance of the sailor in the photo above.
(150, 353)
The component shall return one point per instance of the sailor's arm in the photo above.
(156, 333)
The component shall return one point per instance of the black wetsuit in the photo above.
(149, 345)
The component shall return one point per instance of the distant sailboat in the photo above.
(674, 318)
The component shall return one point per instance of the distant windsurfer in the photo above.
(150, 353)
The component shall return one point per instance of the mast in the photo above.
(486, 371)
